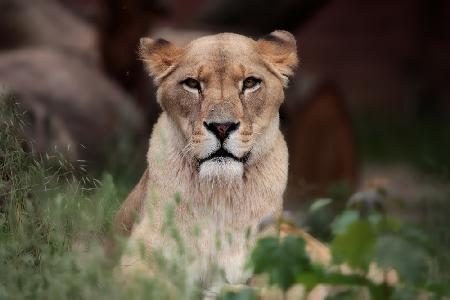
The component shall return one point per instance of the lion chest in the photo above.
(215, 234)
(216, 246)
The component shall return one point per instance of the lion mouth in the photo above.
(222, 154)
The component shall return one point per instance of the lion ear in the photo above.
(279, 51)
(160, 56)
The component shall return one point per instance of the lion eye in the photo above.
(250, 82)
(192, 83)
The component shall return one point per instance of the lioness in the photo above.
(216, 149)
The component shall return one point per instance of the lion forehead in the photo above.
(220, 47)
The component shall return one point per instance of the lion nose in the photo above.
(221, 130)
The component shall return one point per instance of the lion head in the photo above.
(223, 93)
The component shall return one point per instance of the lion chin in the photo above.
(222, 170)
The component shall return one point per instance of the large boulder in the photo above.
(72, 106)
(46, 23)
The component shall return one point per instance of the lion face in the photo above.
(223, 93)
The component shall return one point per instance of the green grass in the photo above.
(54, 220)
(47, 207)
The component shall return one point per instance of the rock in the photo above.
(72, 105)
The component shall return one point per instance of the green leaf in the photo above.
(414, 235)
(404, 293)
(340, 224)
(355, 246)
(345, 295)
(281, 260)
(321, 276)
(409, 261)
(244, 294)
(309, 279)
(319, 204)
(439, 289)
(345, 279)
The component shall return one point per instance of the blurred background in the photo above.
(369, 108)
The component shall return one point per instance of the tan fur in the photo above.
(226, 201)
(132, 207)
